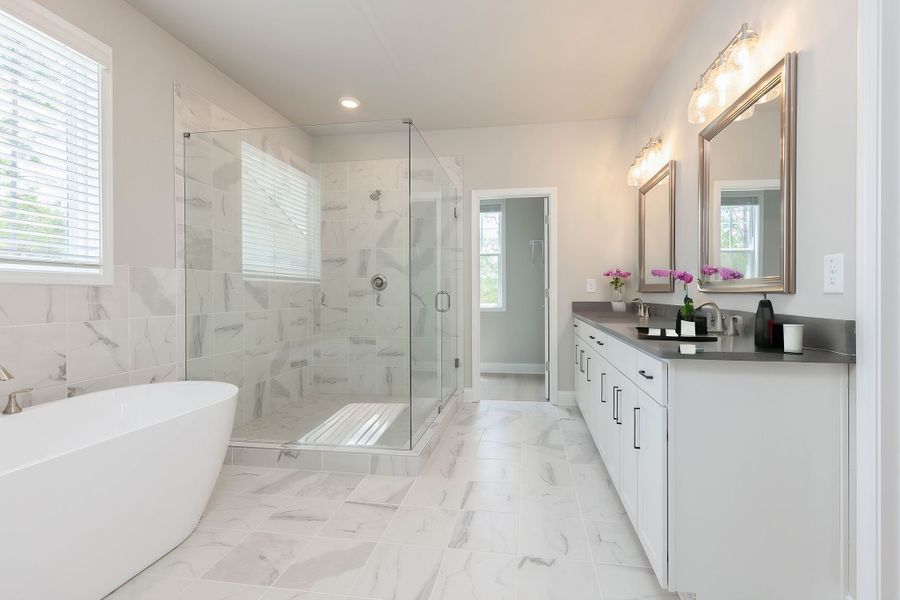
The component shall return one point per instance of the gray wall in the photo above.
(516, 335)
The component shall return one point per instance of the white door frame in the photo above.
(876, 425)
(550, 245)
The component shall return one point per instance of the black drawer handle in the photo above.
(599, 343)
(592, 337)
(643, 374)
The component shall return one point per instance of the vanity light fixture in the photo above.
(349, 103)
(725, 78)
(647, 162)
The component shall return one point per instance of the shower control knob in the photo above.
(379, 282)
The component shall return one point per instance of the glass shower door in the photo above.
(425, 298)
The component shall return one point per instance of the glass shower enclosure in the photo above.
(322, 271)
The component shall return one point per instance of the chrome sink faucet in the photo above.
(718, 323)
(12, 407)
(643, 308)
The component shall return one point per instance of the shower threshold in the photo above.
(328, 446)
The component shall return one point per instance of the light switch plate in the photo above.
(834, 274)
(590, 285)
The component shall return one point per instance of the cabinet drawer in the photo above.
(592, 336)
(650, 375)
(621, 356)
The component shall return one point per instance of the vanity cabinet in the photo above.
(629, 429)
(732, 472)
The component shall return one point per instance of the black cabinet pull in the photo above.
(599, 343)
(576, 354)
(637, 443)
(602, 378)
(618, 400)
(643, 374)
(615, 415)
(592, 337)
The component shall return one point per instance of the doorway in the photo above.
(513, 289)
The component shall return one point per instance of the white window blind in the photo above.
(281, 218)
(51, 194)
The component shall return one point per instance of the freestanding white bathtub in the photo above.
(95, 488)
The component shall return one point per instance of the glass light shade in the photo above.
(723, 80)
(634, 174)
(741, 54)
(698, 107)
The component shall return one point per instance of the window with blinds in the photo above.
(280, 218)
(52, 192)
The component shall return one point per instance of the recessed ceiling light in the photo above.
(349, 103)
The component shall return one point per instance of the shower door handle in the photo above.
(438, 305)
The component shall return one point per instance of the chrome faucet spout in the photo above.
(643, 308)
(718, 323)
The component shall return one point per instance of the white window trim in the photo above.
(502, 306)
(44, 20)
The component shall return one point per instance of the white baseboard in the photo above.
(468, 396)
(565, 398)
(513, 368)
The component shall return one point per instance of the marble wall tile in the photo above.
(199, 292)
(362, 175)
(226, 252)
(345, 462)
(26, 304)
(334, 234)
(95, 303)
(154, 342)
(226, 211)
(334, 176)
(335, 204)
(198, 204)
(229, 368)
(35, 355)
(97, 385)
(227, 292)
(198, 248)
(362, 351)
(199, 334)
(170, 372)
(97, 349)
(152, 291)
(334, 293)
(362, 233)
(228, 332)
(256, 294)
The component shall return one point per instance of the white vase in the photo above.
(618, 306)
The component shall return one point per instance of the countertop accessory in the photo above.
(617, 280)
(764, 335)
(793, 338)
(651, 333)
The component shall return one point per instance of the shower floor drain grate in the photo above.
(358, 424)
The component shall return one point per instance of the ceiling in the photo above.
(444, 63)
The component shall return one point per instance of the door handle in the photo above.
(589, 368)
(438, 306)
(643, 374)
(602, 378)
(636, 429)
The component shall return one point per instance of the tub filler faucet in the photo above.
(12, 407)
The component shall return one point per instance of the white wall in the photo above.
(825, 37)
(516, 334)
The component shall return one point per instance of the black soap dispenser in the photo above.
(765, 324)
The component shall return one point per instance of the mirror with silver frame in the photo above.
(656, 229)
(747, 188)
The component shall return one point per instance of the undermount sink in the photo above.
(644, 334)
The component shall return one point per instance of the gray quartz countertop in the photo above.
(738, 348)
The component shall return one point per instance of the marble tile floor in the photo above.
(509, 386)
(515, 504)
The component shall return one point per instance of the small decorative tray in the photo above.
(644, 334)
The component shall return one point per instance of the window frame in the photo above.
(52, 25)
(501, 306)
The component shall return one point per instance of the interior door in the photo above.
(547, 307)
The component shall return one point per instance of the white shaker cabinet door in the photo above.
(652, 515)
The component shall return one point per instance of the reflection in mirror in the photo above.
(745, 204)
(747, 181)
(656, 242)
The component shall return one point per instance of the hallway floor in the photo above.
(508, 386)
(515, 504)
